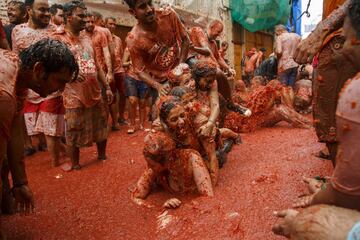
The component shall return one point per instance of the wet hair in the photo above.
(54, 8)
(89, 14)
(71, 6)
(203, 68)
(19, 4)
(179, 91)
(52, 54)
(97, 15)
(29, 3)
(167, 106)
(131, 3)
(354, 15)
(108, 18)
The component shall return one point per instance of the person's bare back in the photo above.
(286, 45)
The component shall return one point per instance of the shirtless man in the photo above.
(303, 93)
(331, 71)
(117, 112)
(42, 115)
(57, 15)
(269, 104)
(285, 46)
(44, 67)
(250, 65)
(86, 111)
(17, 14)
(343, 188)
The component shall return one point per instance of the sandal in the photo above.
(131, 131)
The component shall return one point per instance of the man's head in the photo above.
(110, 23)
(204, 73)
(39, 12)
(280, 29)
(99, 19)
(57, 14)
(142, 10)
(90, 23)
(75, 14)
(47, 66)
(215, 29)
(263, 50)
(16, 12)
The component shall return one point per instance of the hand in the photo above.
(207, 129)
(285, 226)
(172, 203)
(232, 71)
(110, 77)
(314, 185)
(141, 202)
(307, 49)
(24, 199)
(162, 90)
(304, 201)
(109, 96)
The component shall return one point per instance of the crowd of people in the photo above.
(64, 72)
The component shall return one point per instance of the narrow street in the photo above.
(261, 175)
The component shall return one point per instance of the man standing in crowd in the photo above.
(57, 15)
(117, 112)
(286, 44)
(42, 115)
(17, 14)
(157, 43)
(330, 73)
(44, 67)
(86, 112)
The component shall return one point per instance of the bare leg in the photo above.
(292, 117)
(114, 116)
(35, 140)
(53, 144)
(122, 104)
(142, 112)
(101, 148)
(132, 112)
(75, 158)
(230, 134)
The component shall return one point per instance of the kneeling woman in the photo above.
(173, 158)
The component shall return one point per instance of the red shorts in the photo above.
(54, 106)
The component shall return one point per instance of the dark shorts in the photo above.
(135, 88)
(288, 77)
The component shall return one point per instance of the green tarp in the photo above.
(255, 15)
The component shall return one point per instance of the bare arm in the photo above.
(278, 47)
(4, 44)
(126, 58)
(143, 187)
(214, 103)
(103, 80)
(143, 76)
(108, 60)
(201, 50)
(310, 46)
